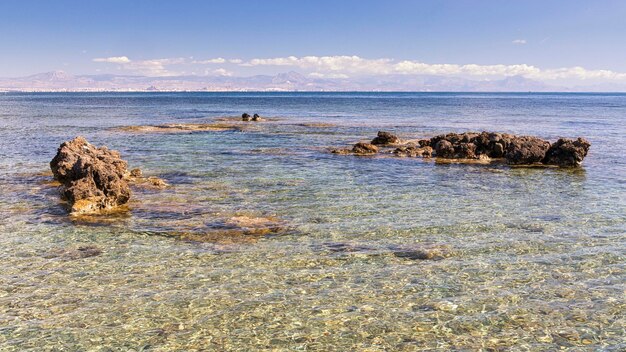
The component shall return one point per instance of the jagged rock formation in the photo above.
(92, 179)
(483, 147)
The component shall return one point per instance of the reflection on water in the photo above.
(267, 241)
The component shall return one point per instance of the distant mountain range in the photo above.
(289, 81)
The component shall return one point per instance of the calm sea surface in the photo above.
(537, 255)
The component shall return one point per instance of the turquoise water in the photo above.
(535, 257)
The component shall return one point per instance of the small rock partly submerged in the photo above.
(79, 252)
(364, 148)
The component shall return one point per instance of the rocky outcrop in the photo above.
(472, 145)
(567, 152)
(256, 117)
(480, 147)
(364, 148)
(385, 138)
(92, 179)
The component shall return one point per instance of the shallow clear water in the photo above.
(537, 256)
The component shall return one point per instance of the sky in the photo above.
(545, 40)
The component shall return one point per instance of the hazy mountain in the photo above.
(289, 81)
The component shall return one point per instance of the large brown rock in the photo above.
(566, 152)
(364, 148)
(385, 138)
(93, 179)
(526, 150)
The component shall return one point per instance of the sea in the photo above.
(528, 258)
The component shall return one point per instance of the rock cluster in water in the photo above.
(92, 179)
(484, 146)
(247, 117)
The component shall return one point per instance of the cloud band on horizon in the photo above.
(345, 66)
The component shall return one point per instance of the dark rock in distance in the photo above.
(256, 117)
(566, 152)
(93, 179)
(364, 148)
(385, 138)
(245, 117)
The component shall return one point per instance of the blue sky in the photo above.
(339, 38)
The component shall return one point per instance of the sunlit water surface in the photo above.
(537, 255)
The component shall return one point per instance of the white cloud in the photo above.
(327, 75)
(350, 64)
(343, 66)
(579, 73)
(218, 60)
(324, 65)
(154, 67)
(113, 59)
(222, 72)
(519, 41)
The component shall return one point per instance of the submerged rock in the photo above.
(181, 128)
(341, 151)
(136, 178)
(92, 178)
(427, 252)
(567, 152)
(414, 151)
(526, 150)
(364, 148)
(74, 253)
(236, 230)
(385, 138)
